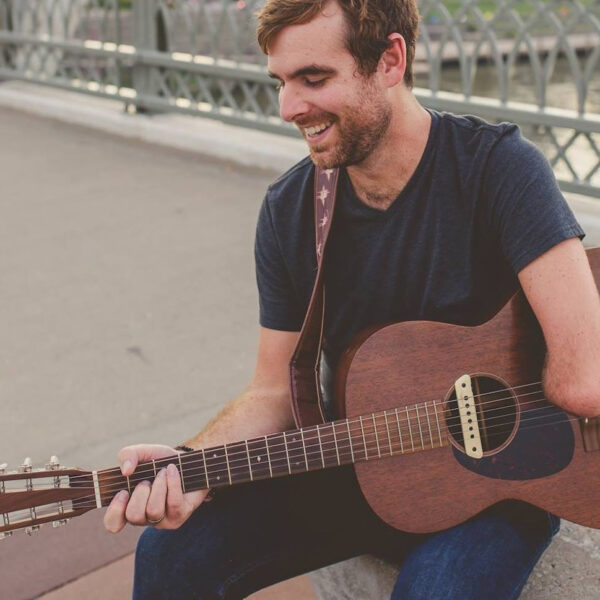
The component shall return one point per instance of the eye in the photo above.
(315, 82)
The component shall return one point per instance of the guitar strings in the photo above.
(369, 444)
(92, 503)
(354, 420)
(374, 433)
(90, 498)
(234, 448)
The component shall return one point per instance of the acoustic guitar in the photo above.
(440, 421)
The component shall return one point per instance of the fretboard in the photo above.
(379, 435)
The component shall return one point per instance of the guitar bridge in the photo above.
(467, 411)
(590, 432)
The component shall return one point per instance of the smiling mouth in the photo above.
(316, 130)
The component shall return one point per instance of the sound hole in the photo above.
(496, 413)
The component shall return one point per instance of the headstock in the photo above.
(30, 497)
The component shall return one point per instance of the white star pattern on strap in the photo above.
(319, 245)
(324, 220)
(328, 172)
(323, 194)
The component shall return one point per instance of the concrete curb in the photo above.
(243, 146)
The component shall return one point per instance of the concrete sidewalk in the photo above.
(129, 315)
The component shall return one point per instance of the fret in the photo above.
(227, 462)
(399, 431)
(249, 463)
(287, 454)
(295, 452)
(321, 447)
(337, 450)
(313, 448)
(419, 424)
(429, 426)
(128, 485)
(376, 436)
(350, 440)
(181, 472)
(438, 422)
(387, 428)
(362, 429)
(341, 442)
(258, 457)
(236, 458)
(328, 445)
(205, 469)
(412, 442)
(154, 467)
(304, 448)
(278, 453)
(268, 456)
(192, 470)
(215, 466)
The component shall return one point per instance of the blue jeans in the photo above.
(252, 536)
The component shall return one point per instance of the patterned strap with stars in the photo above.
(325, 187)
(307, 402)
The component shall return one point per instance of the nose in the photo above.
(292, 103)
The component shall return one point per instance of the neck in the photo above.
(379, 179)
(387, 433)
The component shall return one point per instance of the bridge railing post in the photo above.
(146, 16)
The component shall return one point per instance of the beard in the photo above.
(360, 129)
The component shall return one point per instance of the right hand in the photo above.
(162, 500)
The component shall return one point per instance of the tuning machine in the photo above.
(60, 522)
(33, 529)
(54, 464)
(3, 468)
(27, 466)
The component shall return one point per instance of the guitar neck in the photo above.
(357, 439)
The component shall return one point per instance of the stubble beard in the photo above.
(358, 136)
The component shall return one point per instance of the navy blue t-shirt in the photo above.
(482, 204)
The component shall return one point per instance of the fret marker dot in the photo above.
(214, 456)
(218, 477)
(258, 459)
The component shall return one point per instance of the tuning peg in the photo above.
(54, 463)
(26, 467)
(5, 534)
(33, 529)
(60, 522)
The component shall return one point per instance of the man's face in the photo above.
(341, 114)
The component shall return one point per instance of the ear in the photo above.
(392, 63)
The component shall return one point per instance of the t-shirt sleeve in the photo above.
(527, 208)
(278, 305)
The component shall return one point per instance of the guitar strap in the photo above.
(307, 402)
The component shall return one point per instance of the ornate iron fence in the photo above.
(533, 62)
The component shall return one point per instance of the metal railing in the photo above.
(532, 62)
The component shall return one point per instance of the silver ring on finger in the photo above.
(156, 521)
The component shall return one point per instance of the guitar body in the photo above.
(539, 457)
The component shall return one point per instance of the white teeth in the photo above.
(316, 129)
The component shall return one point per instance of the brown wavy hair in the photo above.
(368, 25)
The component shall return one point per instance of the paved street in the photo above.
(129, 310)
(129, 304)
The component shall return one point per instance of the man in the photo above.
(438, 218)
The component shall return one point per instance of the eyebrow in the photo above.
(308, 70)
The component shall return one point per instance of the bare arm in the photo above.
(263, 408)
(561, 290)
(265, 405)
